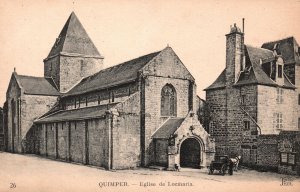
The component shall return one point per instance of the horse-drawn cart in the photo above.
(221, 163)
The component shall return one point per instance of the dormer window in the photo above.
(279, 71)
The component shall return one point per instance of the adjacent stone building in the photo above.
(139, 113)
(256, 94)
(2, 146)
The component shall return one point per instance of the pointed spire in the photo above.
(74, 39)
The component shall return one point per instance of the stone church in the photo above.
(256, 95)
(138, 113)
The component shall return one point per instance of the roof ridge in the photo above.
(73, 38)
(118, 65)
(285, 38)
(261, 48)
(29, 76)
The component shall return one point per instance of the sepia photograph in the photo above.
(137, 95)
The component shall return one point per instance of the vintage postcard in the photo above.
(128, 95)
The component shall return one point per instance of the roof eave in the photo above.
(99, 89)
(69, 119)
(73, 55)
(212, 88)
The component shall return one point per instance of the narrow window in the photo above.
(75, 102)
(86, 101)
(279, 97)
(279, 71)
(99, 98)
(277, 121)
(50, 67)
(168, 101)
(243, 99)
(246, 125)
(299, 99)
(112, 97)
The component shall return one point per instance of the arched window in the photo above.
(168, 101)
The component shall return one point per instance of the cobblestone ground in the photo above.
(31, 173)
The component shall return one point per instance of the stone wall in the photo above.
(120, 94)
(267, 152)
(289, 144)
(32, 107)
(268, 105)
(68, 70)
(62, 139)
(165, 68)
(2, 139)
(112, 142)
(98, 142)
(126, 134)
(84, 142)
(13, 95)
(161, 152)
(297, 84)
(51, 140)
(77, 143)
(216, 100)
(228, 116)
(52, 69)
(153, 118)
(73, 69)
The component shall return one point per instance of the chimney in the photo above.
(234, 54)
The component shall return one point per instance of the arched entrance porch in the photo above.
(190, 153)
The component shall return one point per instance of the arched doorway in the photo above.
(190, 153)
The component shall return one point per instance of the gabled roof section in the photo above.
(168, 128)
(255, 74)
(76, 114)
(288, 48)
(73, 39)
(219, 82)
(112, 76)
(36, 85)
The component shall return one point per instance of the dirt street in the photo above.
(31, 173)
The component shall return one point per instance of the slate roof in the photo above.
(219, 82)
(74, 39)
(288, 48)
(76, 114)
(255, 73)
(118, 74)
(37, 85)
(168, 128)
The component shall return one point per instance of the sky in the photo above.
(126, 29)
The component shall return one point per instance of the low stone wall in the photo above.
(289, 152)
(267, 152)
(2, 142)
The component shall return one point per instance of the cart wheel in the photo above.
(223, 170)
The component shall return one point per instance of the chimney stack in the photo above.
(243, 25)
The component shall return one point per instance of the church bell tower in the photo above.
(73, 56)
